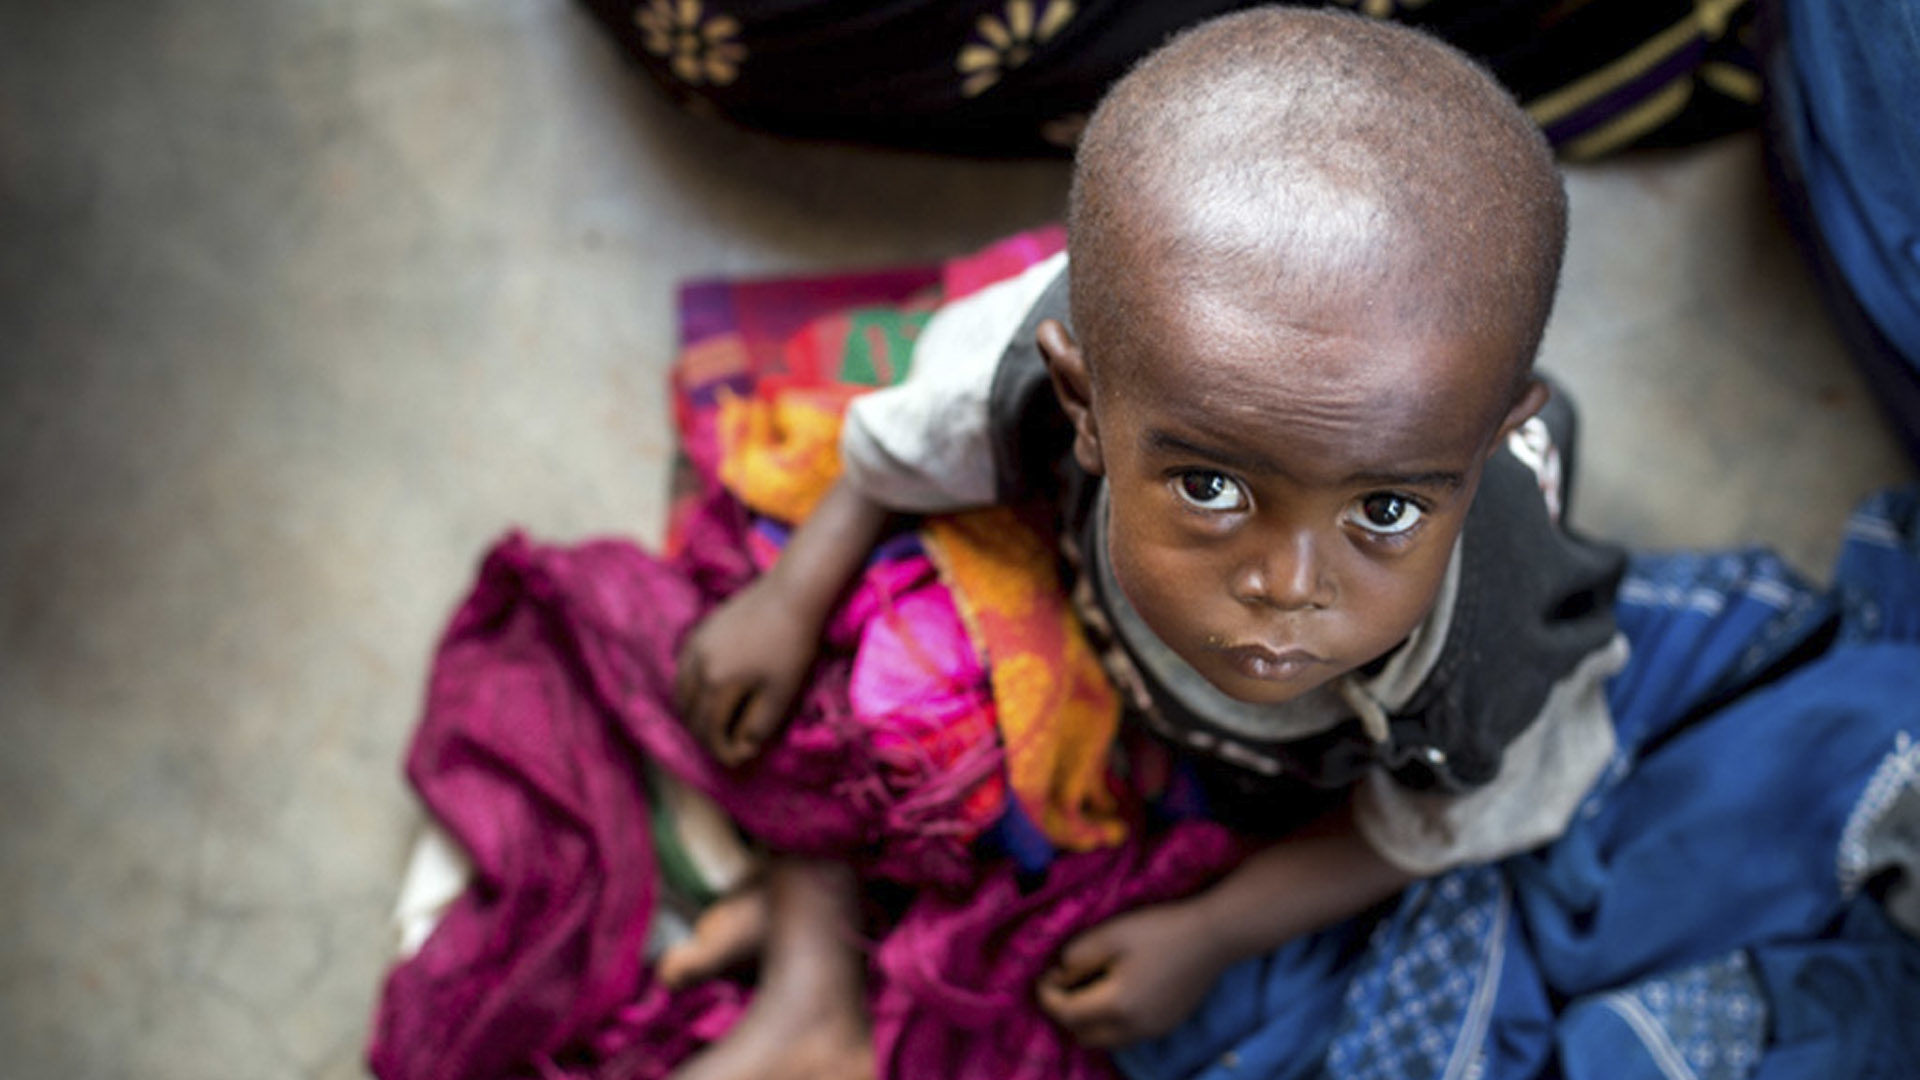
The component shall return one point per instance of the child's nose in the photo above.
(1284, 571)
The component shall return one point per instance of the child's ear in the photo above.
(1072, 384)
(1531, 400)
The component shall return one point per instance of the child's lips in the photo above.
(1264, 663)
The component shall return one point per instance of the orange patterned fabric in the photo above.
(1058, 714)
(780, 452)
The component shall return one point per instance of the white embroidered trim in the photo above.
(1898, 772)
(1666, 1055)
(1706, 600)
(1875, 530)
(1469, 1054)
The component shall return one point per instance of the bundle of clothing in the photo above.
(1019, 77)
(1735, 898)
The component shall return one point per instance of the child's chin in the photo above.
(1269, 690)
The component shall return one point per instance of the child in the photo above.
(1280, 394)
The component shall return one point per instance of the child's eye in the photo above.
(1210, 490)
(1385, 514)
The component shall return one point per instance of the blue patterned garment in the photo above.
(1706, 1022)
(1727, 904)
(1420, 1003)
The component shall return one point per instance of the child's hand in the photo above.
(741, 668)
(1134, 977)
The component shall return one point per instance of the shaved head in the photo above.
(1280, 148)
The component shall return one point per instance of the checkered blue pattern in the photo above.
(1702, 1023)
(1410, 1013)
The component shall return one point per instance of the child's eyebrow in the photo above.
(1449, 481)
(1167, 442)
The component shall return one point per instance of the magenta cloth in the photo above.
(953, 991)
(553, 683)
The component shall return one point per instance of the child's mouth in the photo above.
(1263, 663)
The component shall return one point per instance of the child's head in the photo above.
(1312, 256)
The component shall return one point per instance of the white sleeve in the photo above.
(922, 446)
(1544, 775)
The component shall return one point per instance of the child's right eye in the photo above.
(1208, 490)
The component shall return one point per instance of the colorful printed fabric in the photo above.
(552, 688)
(781, 452)
(1058, 713)
(753, 340)
(743, 338)
(777, 435)
(767, 428)
(1021, 76)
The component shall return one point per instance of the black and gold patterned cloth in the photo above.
(1018, 77)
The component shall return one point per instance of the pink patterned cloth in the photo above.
(551, 685)
(554, 682)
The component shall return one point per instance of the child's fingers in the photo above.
(1102, 1034)
(759, 717)
(731, 743)
(1089, 1011)
(686, 682)
(713, 713)
(772, 708)
(1081, 993)
(1083, 959)
(1057, 999)
(1084, 1009)
(1075, 983)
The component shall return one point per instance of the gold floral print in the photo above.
(1004, 42)
(698, 48)
(1383, 9)
(1064, 130)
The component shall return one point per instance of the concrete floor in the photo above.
(301, 304)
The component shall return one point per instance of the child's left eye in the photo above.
(1385, 514)
(1210, 490)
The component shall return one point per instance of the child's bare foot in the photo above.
(796, 1036)
(808, 1017)
(731, 930)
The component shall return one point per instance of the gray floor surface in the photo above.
(301, 304)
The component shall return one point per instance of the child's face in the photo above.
(1285, 493)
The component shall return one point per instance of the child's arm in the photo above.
(741, 668)
(1140, 974)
